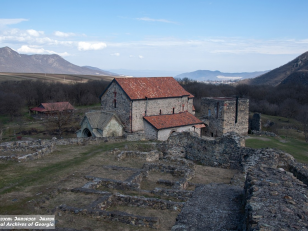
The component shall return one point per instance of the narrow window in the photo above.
(115, 103)
(217, 110)
(160, 112)
(209, 113)
(183, 107)
(173, 111)
(145, 113)
(115, 94)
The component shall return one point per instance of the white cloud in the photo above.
(63, 34)
(4, 21)
(91, 46)
(222, 45)
(155, 20)
(140, 57)
(35, 33)
(36, 50)
(115, 54)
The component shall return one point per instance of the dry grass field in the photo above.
(62, 78)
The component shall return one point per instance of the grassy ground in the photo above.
(296, 147)
(290, 137)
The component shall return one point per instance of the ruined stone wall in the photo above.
(154, 106)
(113, 129)
(240, 125)
(225, 152)
(165, 133)
(123, 104)
(220, 115)
(190, 105)
(29, 150)
(212, 115)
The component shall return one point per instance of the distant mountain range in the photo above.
(294, 72)
(145, 73)
(12, 61)
(203, 75)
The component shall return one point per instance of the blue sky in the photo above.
(169, 35)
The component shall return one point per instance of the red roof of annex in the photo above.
(153, 87)
(173, 120)
(58, 106)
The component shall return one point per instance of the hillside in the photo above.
(278, 75)
(296, 78)
(202, 75)
(12, 61)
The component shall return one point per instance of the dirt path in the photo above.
(212, 207)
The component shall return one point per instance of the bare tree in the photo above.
(10, 104)
(1, 130)
(59, 118)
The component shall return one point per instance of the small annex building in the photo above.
(100, 124)
(162, 126)
(52, 108)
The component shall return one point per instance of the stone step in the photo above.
(212, 207)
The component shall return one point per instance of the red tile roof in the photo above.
(154, 87)
(58, 106)
(173, 120)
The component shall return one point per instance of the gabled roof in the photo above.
(58, 106)
(154, 87)
(100, 119)
(172, 120)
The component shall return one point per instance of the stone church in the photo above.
(157, 106)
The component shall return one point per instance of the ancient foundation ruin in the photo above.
(263, 189)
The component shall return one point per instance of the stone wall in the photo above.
(17, 152)
(29, 150)
(276, 194)
(149, 131)
(123, 104)
(274, 200)
(113, 128)
(222, 152)
(165, 133)
(155, 106)
(223, 116)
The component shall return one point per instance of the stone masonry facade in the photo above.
(131, 112)
(116, 100)
(223, 115)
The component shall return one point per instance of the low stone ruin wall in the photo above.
(274, 200)
(135, 136)
(222, 152)
(272, 134)
(276, 194)
(109, 183)
(147, 156)
(29, 150)
(150, 222)
(17, 153)
(139, 201)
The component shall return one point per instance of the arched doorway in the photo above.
(86, 133)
